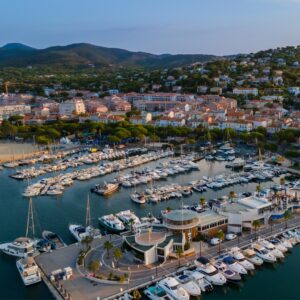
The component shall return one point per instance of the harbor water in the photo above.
(56, 213)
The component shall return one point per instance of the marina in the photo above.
(209, 172)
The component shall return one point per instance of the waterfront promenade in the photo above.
(80, 287)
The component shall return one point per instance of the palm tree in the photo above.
(118, 254)
(231, 195)
(256, 224)
(282, 181)
(201, 239)
(287, 215)
(179, 253)
(220, 235)
(258, 188)
(202, 202)
(94, 267)
(108, 245)
(131, 222)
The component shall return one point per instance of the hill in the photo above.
(19, 55)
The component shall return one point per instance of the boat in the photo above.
(189, 285)
(240, 258)
(138, 198)
(54, 239)
(80, 232)
(173, 288)
(156, 293)
(199, 278)
(276, 242)
(29, 271)
(210, 273)
(265, 255)
(112, 223)
(251, 256)
(129, 219)
(270, 247)
(232, 264)
(230, 275)
(106, 188)
(21, 247)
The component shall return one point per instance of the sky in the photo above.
(156, 26)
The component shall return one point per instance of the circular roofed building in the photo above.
(182, 220)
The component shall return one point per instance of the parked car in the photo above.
(215, 241)
(230, 236)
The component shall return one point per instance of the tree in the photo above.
(94, 267)
(202, 202)
(258, 188)
(118, 255)
(131, 222)
(256, 225)
(108, 246)
(231, 195)
(179, 253)
(287, 215)
(282, 181)
(220, 235)
(87, 241)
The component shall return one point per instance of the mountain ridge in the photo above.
(21, 55)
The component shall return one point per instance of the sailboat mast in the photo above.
(30, 220)
(88, 212)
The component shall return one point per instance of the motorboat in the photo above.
(29, 271)
(106, 189)
(270, 247)
(189, 285)
(129, 219)
(285, 242)
(156, 293)
(230, 275)
(80, 232)
(240, 258)
(277, 243)
(199, 278)
(205, 267)
(138, 198)
(232, 264)
(21, 247)
(54, 239)
(173, 288)
(251, 256)
(263, 253)
(112, 223)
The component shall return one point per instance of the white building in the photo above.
(72, 107)
(12, 110)
(245, 91)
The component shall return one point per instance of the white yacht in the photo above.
(29, 271)
(21, 247)
(230, 275)
(264, 254)
(276, 242)
(251, 256)
(156, 293)
(199, 278)
(112, 223)
(80, 232)
(138, 198)
(209, 271)
(270, 247)
(173, 288)
(240, 258)
(232, 264)
(129, 219)
(189, 285)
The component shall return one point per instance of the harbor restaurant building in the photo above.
(242, 212)
(179, 226)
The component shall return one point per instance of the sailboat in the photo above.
(80, 232)
(23, 246)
